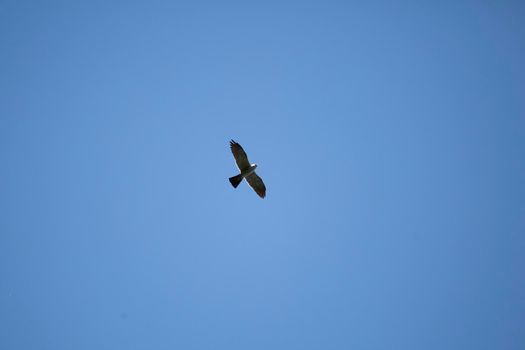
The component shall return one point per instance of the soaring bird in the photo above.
(247, 171)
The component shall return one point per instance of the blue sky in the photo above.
(390, 136)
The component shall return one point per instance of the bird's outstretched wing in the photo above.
(257, 184)
(240, 156)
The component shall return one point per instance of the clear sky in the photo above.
(390, 136)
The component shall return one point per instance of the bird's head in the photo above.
(254, 166)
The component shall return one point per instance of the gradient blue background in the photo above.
(390, 135)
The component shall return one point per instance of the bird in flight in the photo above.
(247, 171)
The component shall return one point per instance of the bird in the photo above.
(247, 171)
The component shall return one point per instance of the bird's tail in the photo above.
(236, 180)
